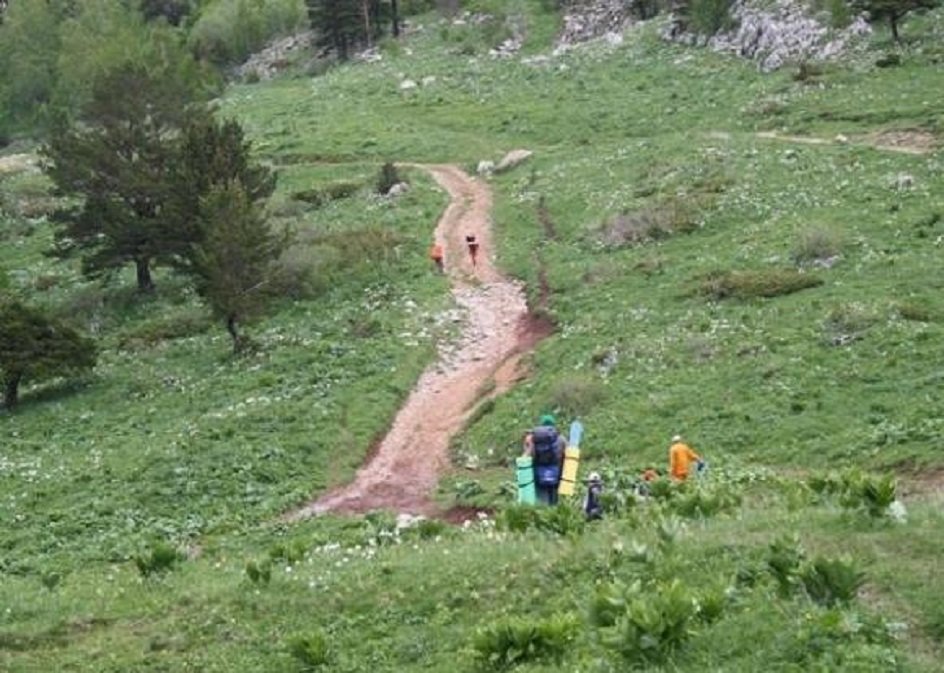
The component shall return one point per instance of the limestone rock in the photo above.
(512, 159)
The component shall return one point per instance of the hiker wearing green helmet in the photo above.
(546, 447)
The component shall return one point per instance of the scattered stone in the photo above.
(903, 181)
(398, 189)
(407, 84)
(485, 167)
(429, 80)
(841, 139)
(512, 159)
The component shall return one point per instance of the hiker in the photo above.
(436, 254)
(473, 247)
(592, 506)
(681, 457)
(546, 447)
(649, 475)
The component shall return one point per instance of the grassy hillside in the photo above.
(704, 330)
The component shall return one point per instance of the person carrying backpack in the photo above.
(546, 447)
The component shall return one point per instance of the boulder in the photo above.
(485, 167)
(512, 159)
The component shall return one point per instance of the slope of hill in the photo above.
(740, 257)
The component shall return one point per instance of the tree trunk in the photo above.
(893, 20)
(234, 333)
(395, 17)
(143, 267)
(11, 389)
(366, 8)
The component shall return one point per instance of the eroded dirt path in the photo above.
(406, 466)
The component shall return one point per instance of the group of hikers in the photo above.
(545, 445)
(438, 255)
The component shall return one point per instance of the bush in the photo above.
(646, 626)
(259, 573)
(387, 178)
(760, 283)
(333, 191)
(670, 216)
(784, 556)
(846, 323)
(816, 244)
(576, 394)
(184, 324)
(708, 17)
(873, 494)
(831, 581)
(161, 558)
(311, 650)
(516, 640)
(228, 31)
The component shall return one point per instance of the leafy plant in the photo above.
(311, 650)
(784, 556)
(259, 573)
(831, 581)
(516, 640)
(649, 625)
(160, 558)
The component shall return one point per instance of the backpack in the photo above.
(546, 464)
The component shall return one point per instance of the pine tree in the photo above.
(35, 347)
(120, 161)
(235, 261)
(212, 153)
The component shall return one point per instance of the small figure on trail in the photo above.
(592, 506)
(473, 247)
(436, 254)
(681, 457)
(546, 447)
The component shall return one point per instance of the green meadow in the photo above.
(779, 303)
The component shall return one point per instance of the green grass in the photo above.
(174, 441)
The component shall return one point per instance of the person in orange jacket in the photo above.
(436, 254)
(681, 457)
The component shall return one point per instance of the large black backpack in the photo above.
(544, 440)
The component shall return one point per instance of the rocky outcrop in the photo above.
(277, 56)
(594, 18)
(775, 35)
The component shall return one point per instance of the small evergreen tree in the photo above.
(211, 153)
(34, 346)
(344, 25)
(234, 261)
(892, 10)
(120, 161)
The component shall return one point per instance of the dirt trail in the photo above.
(406, 466)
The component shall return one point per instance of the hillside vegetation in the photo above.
(751, 260)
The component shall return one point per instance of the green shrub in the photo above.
(259, 573)
(708, 17)
(705, 502)
(846, 323)
(228, 31)
(184, 324)
(649, 625)
(387, 178)
(516, 640)
(831, 581)
(160, 558)
(759, 283)
(576, 394)
(333, 191)
(784, 556)
(311, 650)
(816, 244)
(653, 223)
(871, 493)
